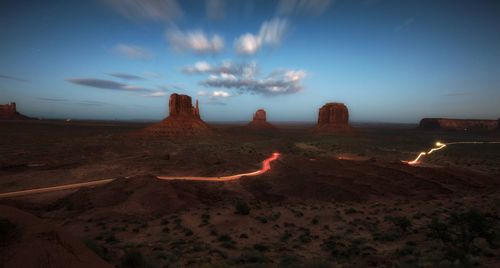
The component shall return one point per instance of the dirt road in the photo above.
(266, 166)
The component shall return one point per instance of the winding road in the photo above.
(266, 166)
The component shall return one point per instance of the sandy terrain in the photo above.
(327, 200)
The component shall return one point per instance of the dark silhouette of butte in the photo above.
(9, 112)
(333, 117)
(459, 124)
(259, 121)
(183, 120)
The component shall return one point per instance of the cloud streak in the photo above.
(156, 10)
(227, 67)
(77, 102)
(303, 7)
(271, 33)
(215, 9)
(133, 52)
(195, 41)
(112, 85)
(406, 23)
(9, 77)
(126, 76)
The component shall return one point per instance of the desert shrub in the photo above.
(226, 241)
(289, 261)
(387, 236)
(261, 219)
(402, 222)
(275, 216)
(217, 252)
(188, 232)
(241, 207)
(317, 263)
(96, 248)
(460, 229)
(244, 236)
(286, 236)
(133, 258)
(260, 247)
(350, 211)
(205, 218)
(110, 238)
(8, 231)
(252, 257)
(305, 237)
(340, 250)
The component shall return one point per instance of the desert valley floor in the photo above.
(329, 200)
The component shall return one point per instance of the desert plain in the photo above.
(344, 199)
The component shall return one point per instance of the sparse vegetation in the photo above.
(241, 207)
(460, 230)
(8, 231)
(133, 259)
(96, 248)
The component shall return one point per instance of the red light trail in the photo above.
(266, 166)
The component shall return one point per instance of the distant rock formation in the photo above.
(259, 121)
(459, 124)
(9, 112)
(183, 120)
(333, 117)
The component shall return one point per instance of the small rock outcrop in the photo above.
(259, 121)
(458, 124)
(333, 117)
(183, 121)
(9, 112)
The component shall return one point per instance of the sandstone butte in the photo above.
(259, 121)
(459, 124)
(183, 120)
(9, 112)
(333, 117)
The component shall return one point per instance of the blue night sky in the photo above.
(388, 61)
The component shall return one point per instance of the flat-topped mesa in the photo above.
(259, 121)
(183, 119)
(459, 124)
(333, 116)
(9, 112)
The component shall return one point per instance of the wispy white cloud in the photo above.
(133, 51)
(196, 41)
(155, 94)
(214, 94)
(305, 7)
(155, 75)
(271, 33)
(226, 67)
(157, 10)
(244, 78)
(172, 87)
(216, 97)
